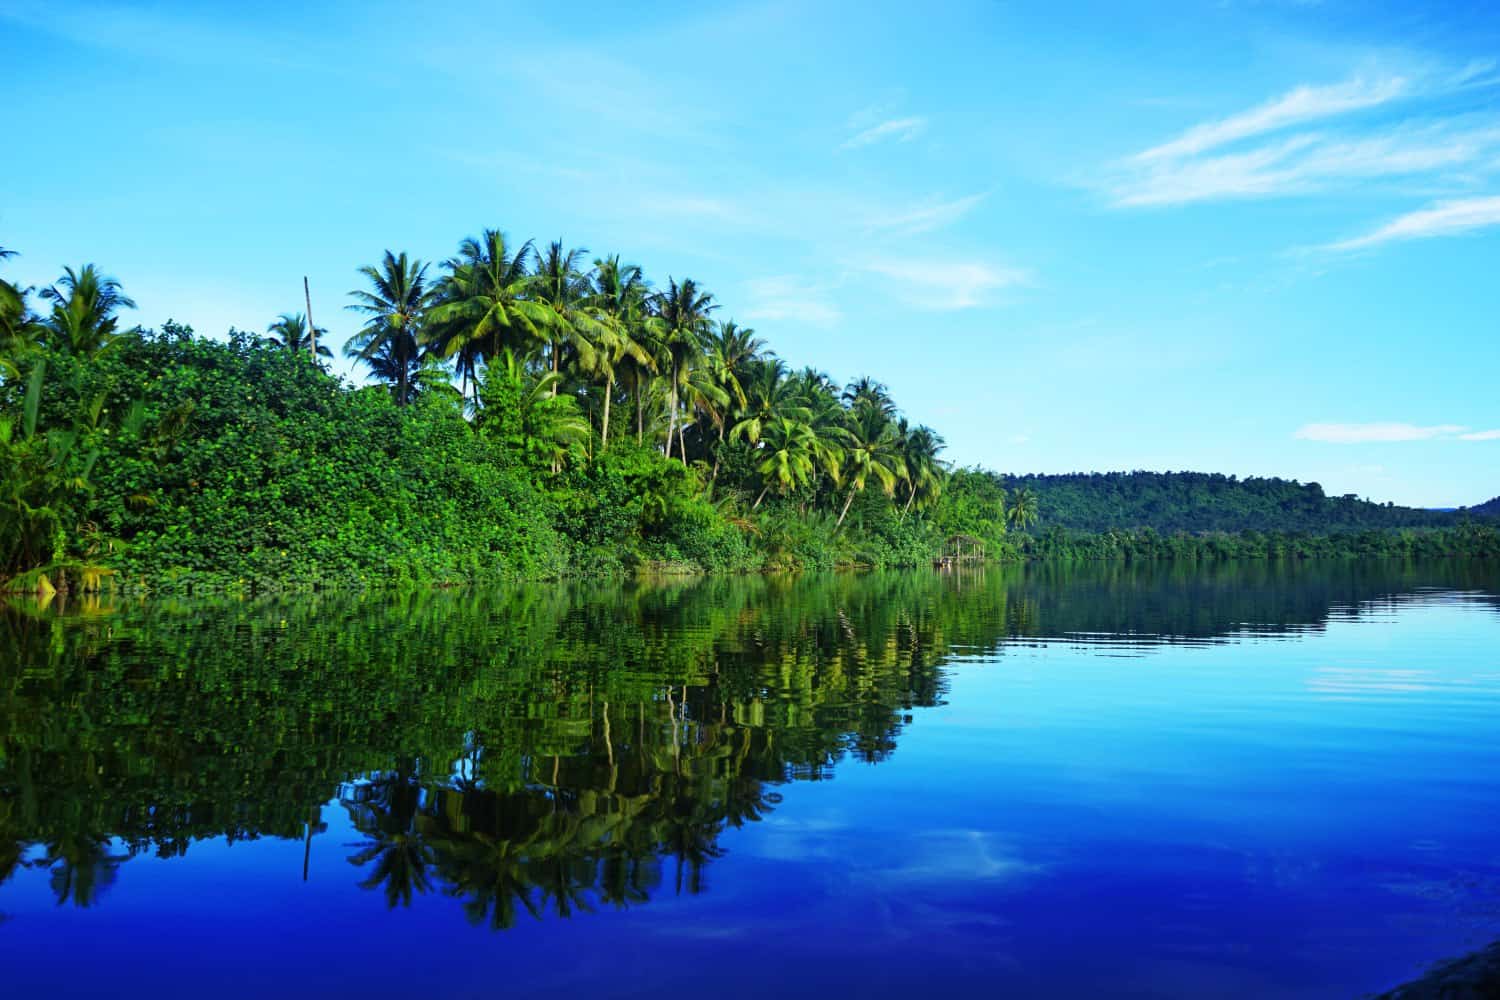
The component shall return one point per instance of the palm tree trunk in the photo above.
(682, 439)
(718, 453)
(609, 390)
(672, 414)
(761, 497)
(844, 513)
(909, 499)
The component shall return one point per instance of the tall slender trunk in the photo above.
(909, 499)
(640, 411)
(761, 497)
(672, 413)
(682, 439)
(845, 512)
(609, 390)
(718, 454)
(312, 331)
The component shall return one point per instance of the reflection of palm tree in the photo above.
(625, 879)
(401, 861)
(491, 875)
(396, 847)
(565, 880)
(82, 867)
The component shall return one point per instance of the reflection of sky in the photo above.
(1250, 819)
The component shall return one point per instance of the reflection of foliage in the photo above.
(544, 750)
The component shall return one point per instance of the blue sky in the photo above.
(1257, 238)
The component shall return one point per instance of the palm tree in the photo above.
(620, 298)
(84, 304)
(770, 395)
(290, 333)
(18, 328)
(704, 396)
(729, 350)
(1023, 509)
(568, 294)
(868, 392)
(920, 447)
(483, 305)
(684, 314)
(788, 453)
(872, 450)
(395, 304)
(549, 424)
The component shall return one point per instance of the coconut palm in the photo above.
(920, 447)
(770, 395)
(290, 333)
(482, 304)
(396, 304)
(788, 453)
(18, 327)
(568, 293)
(866, 392)
(620, 299)
(1023, 509)
(684, 312)
(705, 397)
(549, 425)
(84, 307)
(871, 449)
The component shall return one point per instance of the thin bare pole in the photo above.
(312, 331)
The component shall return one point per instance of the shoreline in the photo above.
(678, 572)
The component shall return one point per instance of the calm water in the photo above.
(1162, 783)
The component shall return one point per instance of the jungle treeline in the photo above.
(531, 412)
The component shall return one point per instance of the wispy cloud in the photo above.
(926, 216)
(1385, 433)
(1301, 104)
(1314, 138)
(1446, 218)
(1492, 435)
(785, 297)
(946, 285)
(894, 130)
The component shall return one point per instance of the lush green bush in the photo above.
(236, 465)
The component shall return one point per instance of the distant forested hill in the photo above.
(1490, 508)
(1199, 501)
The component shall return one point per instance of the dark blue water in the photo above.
(1152, 783)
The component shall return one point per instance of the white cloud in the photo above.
(1301, 104)
(1493, 435)
(945, 285)
(896, 130)
(1311, 162)
(928, 215)
(1375, 433)
(1446, 218)
(785, 297)
(1309, 140)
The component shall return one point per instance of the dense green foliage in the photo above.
(166, 459)
(596, 426)
(1195, 501)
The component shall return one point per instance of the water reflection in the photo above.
(549, 750)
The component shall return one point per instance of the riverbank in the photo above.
(174, 463)
(1472, 977)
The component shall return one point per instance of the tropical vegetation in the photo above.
(532, 412)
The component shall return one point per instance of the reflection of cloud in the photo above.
(958, 855)
(1368, 680)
